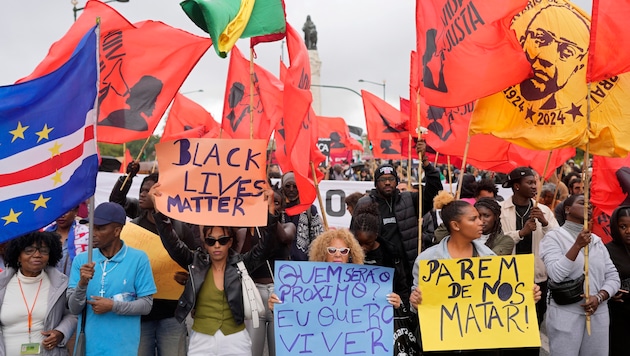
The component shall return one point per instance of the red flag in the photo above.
(386, 126)
(413, 91)
(608, 51)
(336, 129)
(601, 225)
(467, 49)
(142, 67)
(126, 160)
(300, 124)
(611, 183)
(448, 133)
(189, 119)
(236, 108)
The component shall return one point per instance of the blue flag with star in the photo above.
(48, 157)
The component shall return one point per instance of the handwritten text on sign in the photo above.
(333, 309)
(213, 182)
(478, 303)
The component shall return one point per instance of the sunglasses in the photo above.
(333, 250)
(223, 240)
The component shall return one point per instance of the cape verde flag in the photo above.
(48, 159)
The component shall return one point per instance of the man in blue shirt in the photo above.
(116, 287)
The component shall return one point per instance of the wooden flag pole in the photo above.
(461, 173)
(586, 202)
(437, 155)
(542, 178)
(251, 93)
(409, 164)
(319, 197)
(420, 167)
(136, 160)
(555, 193)
(450, 174)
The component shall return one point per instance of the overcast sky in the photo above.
(357, 39)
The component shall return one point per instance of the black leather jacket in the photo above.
(198, 263)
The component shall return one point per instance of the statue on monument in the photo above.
(310, 33)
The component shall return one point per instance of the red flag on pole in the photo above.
(189, 119)
(142, 67)
(608, 51)
(386, 126)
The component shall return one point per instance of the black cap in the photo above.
(385, 169)
(516, 175)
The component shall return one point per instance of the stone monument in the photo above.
(310, 39)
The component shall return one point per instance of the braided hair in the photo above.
(366, 218)
(495, 208)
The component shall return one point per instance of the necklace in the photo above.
(389, 204)
(106, 271)
(525, 215)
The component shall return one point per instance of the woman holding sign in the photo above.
(464, 227)
(218, 327)
(562, 251)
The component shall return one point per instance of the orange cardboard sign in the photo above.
(213, 182)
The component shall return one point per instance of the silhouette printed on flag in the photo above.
(141, 100)
(429, 54)
(335, 140)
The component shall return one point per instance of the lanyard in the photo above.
(30, 311)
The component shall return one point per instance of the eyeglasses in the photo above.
(344, 250)
(30, 250)
(386, 179)
(223, 240)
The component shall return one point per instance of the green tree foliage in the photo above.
(134, 147)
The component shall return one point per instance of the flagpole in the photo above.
(450, 174)
(437, 154)
(555, 193)
(461, 173)
(586, 203)
(420, 167)
(542, 178)
(251, 93)
(91, 200)
(319, 197)
(136, 160)
(409, 163)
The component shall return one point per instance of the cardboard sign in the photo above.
(162, 266)
(478, 303)
(213, 182)
(333, 309)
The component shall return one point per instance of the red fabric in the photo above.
(413, 90)
(188, 119)
(386, 126)
(610, 184)
(467, 50)
(448, 133)
(601, 225)
(142, 67)
(267, 102)
(336, 129)
(300, 123)
(126, 160)
(608, 52)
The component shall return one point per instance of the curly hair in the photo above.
(486, 185)
(37, 238)
(495, 208)
(318, 250)
(366, 218)
(352, 199)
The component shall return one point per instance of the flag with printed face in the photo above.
(608, 53)
(142, 67)
(336, 131)
(237, 107)
(48, 158)
(466, 49)
(386, 126)
(549, 110)
(189, 119)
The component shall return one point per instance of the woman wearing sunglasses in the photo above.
(217, 306)
(337, 246)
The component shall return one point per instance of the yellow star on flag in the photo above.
(40, 202)
(11, 218)
(56, 178)
(54, 150)
(18, 132)
(43, 134)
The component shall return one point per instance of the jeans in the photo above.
(265, 329)
(165, 337)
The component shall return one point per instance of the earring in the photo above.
(517, 188)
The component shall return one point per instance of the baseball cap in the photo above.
(517, 174)
(107, 213)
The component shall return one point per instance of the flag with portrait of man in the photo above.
(549, 110)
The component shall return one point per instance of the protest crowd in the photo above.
(456, 229)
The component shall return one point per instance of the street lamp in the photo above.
(337, 87)
(376, 83)
(76, 9)
(193, 91)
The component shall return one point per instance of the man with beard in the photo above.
(527, 222)
(308, 224)
(554, 59)
(399, 210)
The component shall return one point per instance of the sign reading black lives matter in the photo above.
(478, 303)
(333, 309)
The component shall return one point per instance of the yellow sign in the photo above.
(162, 265)
(478, 303)
(213, 182)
